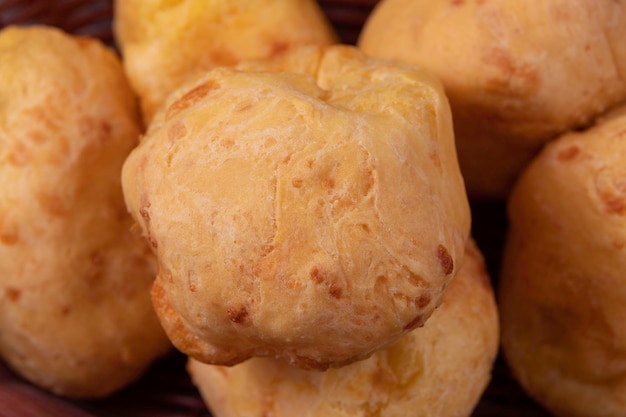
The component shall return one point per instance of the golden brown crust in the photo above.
(562, 293)
(517, 74)
(314, 217)
(75, 312)
(439, 370)
(165, 44)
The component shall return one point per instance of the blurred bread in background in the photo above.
(75, 311)
(562, 292)
(517, 73)
(166, 43)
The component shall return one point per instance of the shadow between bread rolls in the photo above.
(439, 370)
(315, 215)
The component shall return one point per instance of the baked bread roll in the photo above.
(439, 370)
(517, 73)
(312, 217)
(75, 310)
(166, 44)
(563, 298)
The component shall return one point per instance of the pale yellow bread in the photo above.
(563, 288)
(166, 42)
(439, 370)
(313, 217)
(75, 310)
(517, 73)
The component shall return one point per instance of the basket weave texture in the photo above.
(166, 390)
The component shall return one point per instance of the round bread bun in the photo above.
(517, 73)
(313, 217)
(75, 310)
(563, 292)
(166, 44)
(439, 370)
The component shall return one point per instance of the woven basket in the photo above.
(166, 390)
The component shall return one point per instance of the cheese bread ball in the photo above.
(517, 73)
(439, 370)
(166, 43)
(314, 217)
(75, 310)
(563, 288)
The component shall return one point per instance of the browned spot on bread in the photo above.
(320, 277)
(83, 42)
(618, 244)
(52, 204)
(316, 275)
(99, 130)
(279, 48)
(417, 321)
(499, 58)
(223, 57)
(9, 238)
(145, 213)
(227, 143)
(105, 130)
(423, 300)
(152, 241)
(328, 183)
(335, 291)
(436, 161)
(13, 294)
(457, 2)
(191, 97)
(614, 204)
(245, 107)
(568, 154)
(237, 315)
(296, 182)
(66, 310)
(521, 77)
(447, 264)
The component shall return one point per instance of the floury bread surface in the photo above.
(166, 43)
(563, 284)
(517, 73)
(314, 217)
(439, 370)
(75, 310)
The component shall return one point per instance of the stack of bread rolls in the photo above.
(308, 215)
(299, 222)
